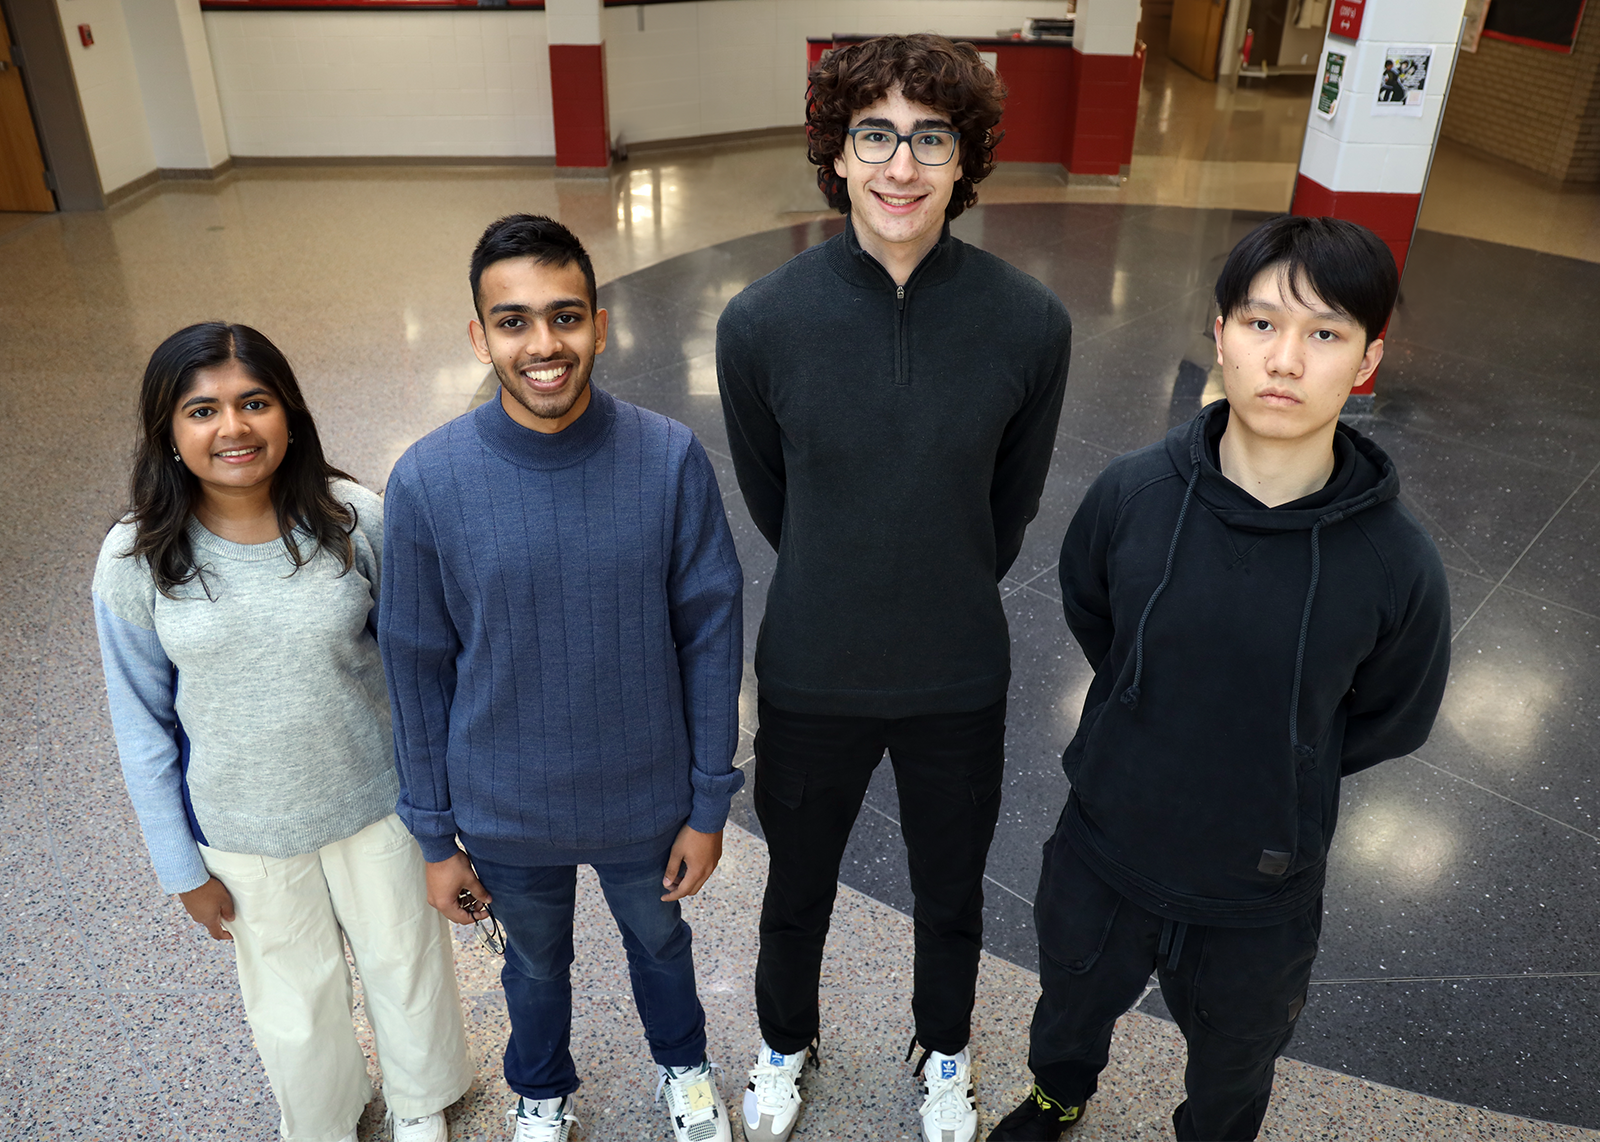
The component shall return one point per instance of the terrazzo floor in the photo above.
(1459, 955)
(862, 1089)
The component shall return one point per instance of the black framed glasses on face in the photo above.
(932, 147)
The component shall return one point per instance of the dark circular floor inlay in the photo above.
(1458, 954)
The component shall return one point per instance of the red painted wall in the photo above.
(1105, 111)
(578, 101)
(1039, 82)
(1391, 217)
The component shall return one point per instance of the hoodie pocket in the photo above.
(1072, 757)
(1318, 811)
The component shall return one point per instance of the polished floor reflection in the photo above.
(1459, 957)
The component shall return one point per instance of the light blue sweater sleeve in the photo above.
(139, 685)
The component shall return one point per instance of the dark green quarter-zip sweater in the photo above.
(891, 443)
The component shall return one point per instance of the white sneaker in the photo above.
(772, 1100)
(693, 1104)
(543, 1119)
(949, 1113)
(428, 1128)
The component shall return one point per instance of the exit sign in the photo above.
(1346, 18)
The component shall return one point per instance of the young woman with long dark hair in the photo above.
(237, 604)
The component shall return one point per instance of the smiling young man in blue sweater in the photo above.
(1263, 617)
(561, 628)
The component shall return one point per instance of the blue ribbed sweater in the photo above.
(561, 629)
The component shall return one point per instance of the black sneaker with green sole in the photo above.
(1040, 1118)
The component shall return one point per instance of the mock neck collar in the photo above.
(860, 268)
(547, 450)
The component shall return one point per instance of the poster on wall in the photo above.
(1332, 80)
(1405, 76)
(1472, 24)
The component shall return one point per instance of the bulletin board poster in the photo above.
(1333, 64)
(1404, 81)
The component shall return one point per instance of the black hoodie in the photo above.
(1245, 659)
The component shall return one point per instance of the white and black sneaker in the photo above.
(542, 1119)
(772, 1100)
(693, 1103)
(949, 1110)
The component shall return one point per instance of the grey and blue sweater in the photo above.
(562, 636)
(253, 719)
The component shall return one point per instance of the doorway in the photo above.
(23, 183)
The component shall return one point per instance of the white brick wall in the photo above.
(477, 83)
(326, 84)
(719, 66)
(108, 86)
(1359, 151)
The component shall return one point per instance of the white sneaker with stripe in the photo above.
(693, 1104)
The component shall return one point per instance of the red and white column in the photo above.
(1108, 67)
(1369, 162)
(578, 86)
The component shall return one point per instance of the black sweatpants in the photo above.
(812, 773)
(1235, 992)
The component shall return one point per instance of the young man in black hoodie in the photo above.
(1263, 617)
(891, 397)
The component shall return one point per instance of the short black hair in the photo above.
(1348, 266)
(534, 236)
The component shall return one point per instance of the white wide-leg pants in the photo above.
(288, 917)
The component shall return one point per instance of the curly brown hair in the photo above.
(939, 73)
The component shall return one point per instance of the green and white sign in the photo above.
(1332, 78)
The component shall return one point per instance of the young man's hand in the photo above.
(447, 880)
(693, 858)
(210, 905)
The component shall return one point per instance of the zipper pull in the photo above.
(900, 296)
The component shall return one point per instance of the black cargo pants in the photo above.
(1235, 993)
(812, 772)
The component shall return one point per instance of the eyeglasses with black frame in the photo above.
(932, 147)
(484, 923)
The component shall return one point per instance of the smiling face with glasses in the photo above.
(900, 166)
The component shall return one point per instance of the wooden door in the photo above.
(22, 185)
(1196, 32)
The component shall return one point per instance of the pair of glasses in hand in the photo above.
(483, 921)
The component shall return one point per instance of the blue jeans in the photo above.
(534, 906)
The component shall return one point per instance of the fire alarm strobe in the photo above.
(85, 35)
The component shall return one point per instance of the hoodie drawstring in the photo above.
(1300, 653)
(1130, 696)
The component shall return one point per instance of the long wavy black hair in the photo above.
(163, 493)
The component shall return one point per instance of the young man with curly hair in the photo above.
(891, 398)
